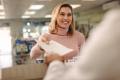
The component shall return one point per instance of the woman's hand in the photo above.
(51, 57)
(44, 38)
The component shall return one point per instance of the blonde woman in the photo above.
(61, 30)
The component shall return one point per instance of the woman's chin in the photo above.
(62, 27)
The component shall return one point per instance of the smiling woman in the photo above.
(61, 30)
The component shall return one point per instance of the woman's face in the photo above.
(64, 18)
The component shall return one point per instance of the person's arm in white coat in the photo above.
(55, 70)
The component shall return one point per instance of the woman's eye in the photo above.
(69, 14)
(62, 14)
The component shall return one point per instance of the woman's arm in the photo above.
(36, 51)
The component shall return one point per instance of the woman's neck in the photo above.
(61, 31)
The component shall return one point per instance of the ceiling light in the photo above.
(28, 23)
(48, 16)
(29, 12)
(2, 13)
(75, 5)
(2, 17)
(1, 7)
(25, 16)
(36, 7)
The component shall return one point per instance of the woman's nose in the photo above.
(65, 17)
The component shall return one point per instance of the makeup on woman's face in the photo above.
(64, 18)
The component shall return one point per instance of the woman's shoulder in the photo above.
(78, 33)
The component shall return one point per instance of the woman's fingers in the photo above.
(45, 39)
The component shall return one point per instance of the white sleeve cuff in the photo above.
(55, 70)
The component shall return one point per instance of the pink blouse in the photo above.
(74, 42)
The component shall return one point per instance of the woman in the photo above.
(62, 30)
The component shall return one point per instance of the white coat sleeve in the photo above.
(55, 70)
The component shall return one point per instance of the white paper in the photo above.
(55, 47)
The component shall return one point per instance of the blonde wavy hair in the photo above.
(53, 23)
